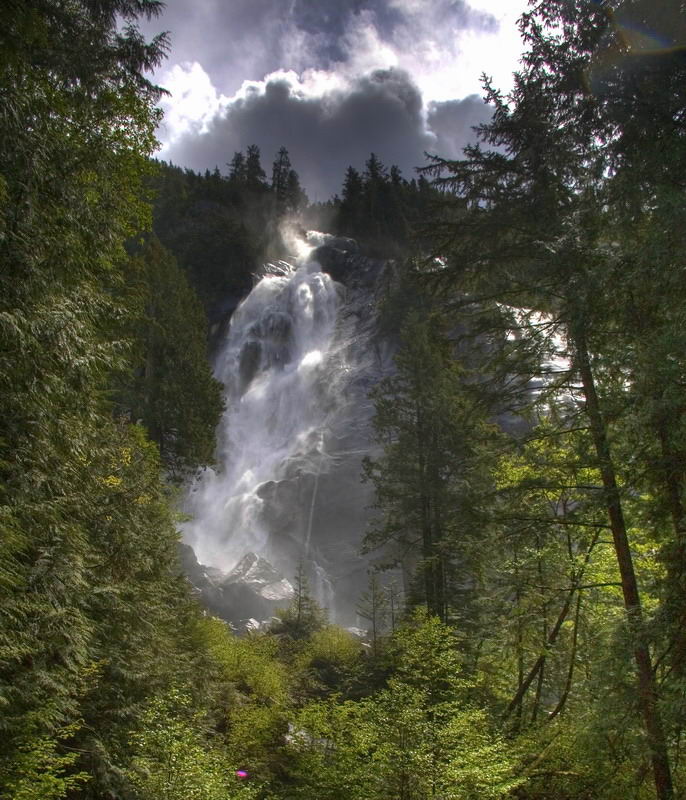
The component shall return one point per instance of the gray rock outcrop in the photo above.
(253, 590)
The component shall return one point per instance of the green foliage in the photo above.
(75, 133)
(380, 208)
(288, 195)
(552, 207)
(39, 771)
(222, 228)
(373, 606)
(172, 760)
(549, 241)
(328, 662)
(425, 655)
(93, 614)
(249, 662)
(409, 740)
(304, 616)
(428, 423)
(251, 697)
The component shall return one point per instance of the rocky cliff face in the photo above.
(342, 508)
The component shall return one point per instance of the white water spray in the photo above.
(279, 366)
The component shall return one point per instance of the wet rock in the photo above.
(252, 591)
(257, 574)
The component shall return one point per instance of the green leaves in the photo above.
(38, 771)
(428, 422)
(413, 739)
(172, 760)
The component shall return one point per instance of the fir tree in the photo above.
(255, 176)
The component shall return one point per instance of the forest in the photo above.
(531, 459)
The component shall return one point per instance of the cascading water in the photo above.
(281, 365)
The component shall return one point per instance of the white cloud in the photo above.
(365, 49)
(446, 56)
(193, 102)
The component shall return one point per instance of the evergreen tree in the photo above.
(280, 174)
(288, 193)
(374, 607)
(295, 194)
(76, 129)
(303, 616)
(540, 211)
(350, 207)
(171, 389)
(255, 176)
(237, 168)
(421, 420)
(94, 617)
(211, 230)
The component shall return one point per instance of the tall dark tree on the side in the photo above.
(280, 173)
(78, 494)
(295, 194)
(538, 226)
(350, 207)
(237, 168)
(288, 194)
(427, 430)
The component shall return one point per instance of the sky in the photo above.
(331, 80)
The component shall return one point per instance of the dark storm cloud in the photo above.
(452, 123)
(380, 112)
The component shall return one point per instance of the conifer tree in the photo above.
(422, 422)
(303, 616)
(280, 173)
(288, 194)
(373, 606)
(91, 605)
(255, 176)
(350, 207)
(295, 194)
(170, 388)
(237, 168)
(538, 211)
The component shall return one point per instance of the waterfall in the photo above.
(323, 589)
(281, 363)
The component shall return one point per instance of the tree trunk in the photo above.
(673, 480)
(540, 661)
(572, 661)
(632, 602)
